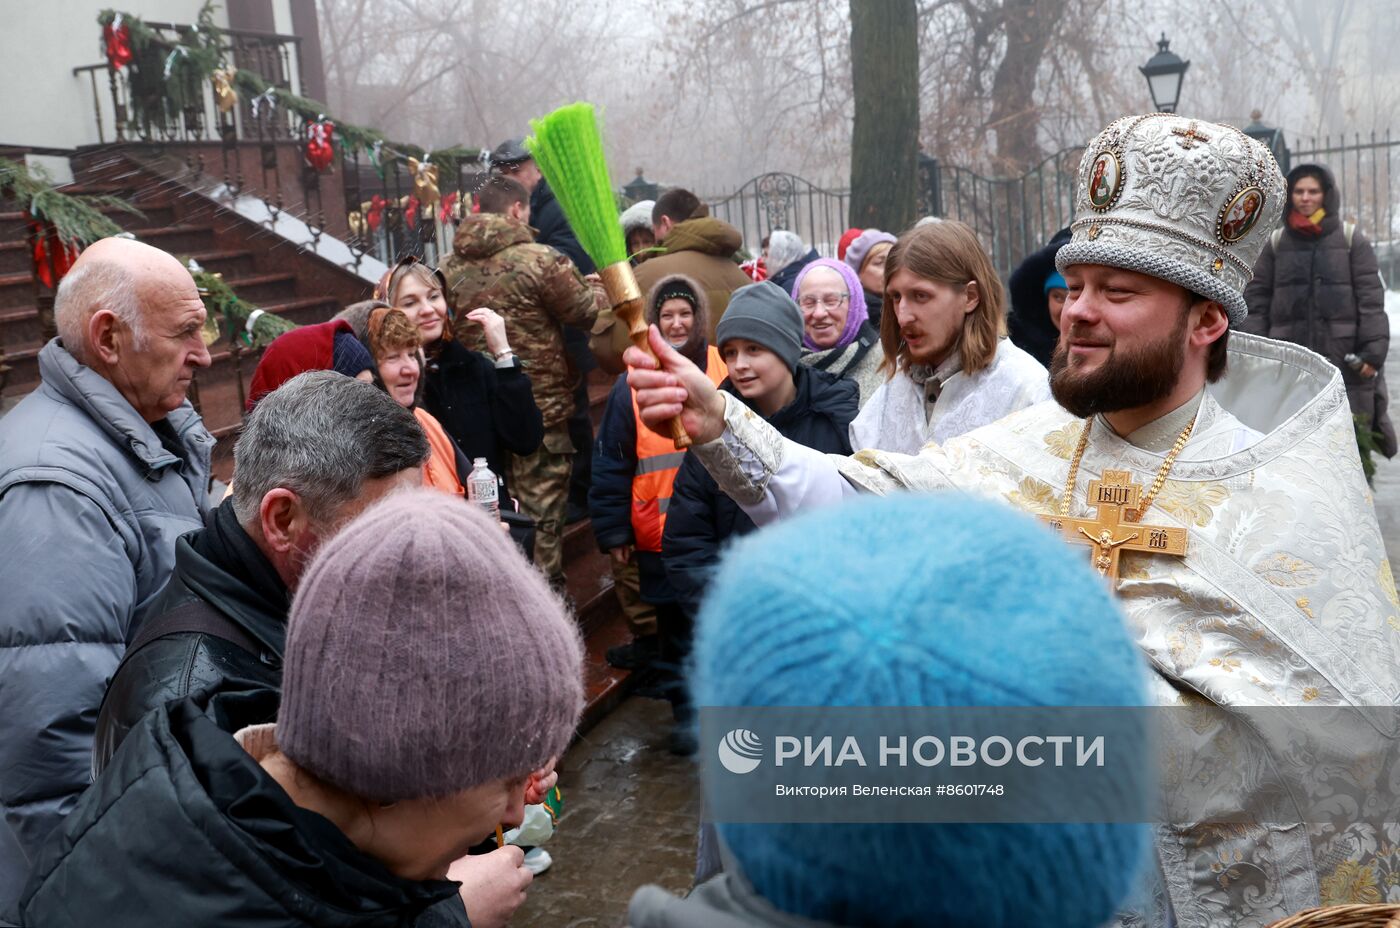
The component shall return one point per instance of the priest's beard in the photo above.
(1125, 380)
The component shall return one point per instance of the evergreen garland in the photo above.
(352, 138)
(167, 78)
(221, 302)
(78, 219)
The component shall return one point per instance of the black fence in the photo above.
(785, 201)
(1364, 167)
(1013, 216)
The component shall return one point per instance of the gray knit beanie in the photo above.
(425, 656)
(763, 313)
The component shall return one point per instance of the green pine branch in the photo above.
(221, 301)
(77, 218)
(168, 77)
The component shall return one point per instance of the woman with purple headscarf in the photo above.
(836, 332)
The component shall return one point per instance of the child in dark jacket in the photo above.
(760, 340)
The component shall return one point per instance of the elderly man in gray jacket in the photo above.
(101, 469)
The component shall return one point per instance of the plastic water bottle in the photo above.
(1355, 363)
(483, 489)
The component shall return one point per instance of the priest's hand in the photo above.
(674, 387)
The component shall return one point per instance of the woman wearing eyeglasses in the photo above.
(837, 336)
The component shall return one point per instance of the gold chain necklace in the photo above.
(1157, 482)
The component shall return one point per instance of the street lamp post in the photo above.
(1271, 137)
(1164, 72)
(640, 189)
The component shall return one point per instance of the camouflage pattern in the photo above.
(495, 262)
(540, 481)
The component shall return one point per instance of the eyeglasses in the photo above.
(827, 301)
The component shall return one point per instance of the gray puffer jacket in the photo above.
(91, 503)
(1324, 293)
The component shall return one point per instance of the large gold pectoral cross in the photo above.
(1115, 530)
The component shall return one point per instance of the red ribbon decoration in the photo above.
(118, 42)
(51, 255)
(320, 144)
(449, 204)
(375, 214)
(410, 212)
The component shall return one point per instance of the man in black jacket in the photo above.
(312, 454)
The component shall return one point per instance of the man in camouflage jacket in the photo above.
(495, 262)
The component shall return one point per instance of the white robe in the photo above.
(1284, 598)
(899, 418)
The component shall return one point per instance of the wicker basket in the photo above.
(1344, 916)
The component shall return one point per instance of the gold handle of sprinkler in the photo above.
(627, 306)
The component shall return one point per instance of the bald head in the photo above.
(132, 313)
(113, 274)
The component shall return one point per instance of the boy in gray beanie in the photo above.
(765, 315)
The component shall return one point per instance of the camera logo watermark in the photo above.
(741, 751)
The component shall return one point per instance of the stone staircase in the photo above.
(280, 277)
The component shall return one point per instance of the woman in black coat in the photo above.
(1318, 285)
(485, 404)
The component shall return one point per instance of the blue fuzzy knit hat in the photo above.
(938, 600)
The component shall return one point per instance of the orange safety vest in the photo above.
(658, 462)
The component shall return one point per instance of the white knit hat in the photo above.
(637, 216)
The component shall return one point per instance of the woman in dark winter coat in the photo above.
(1037, 293)
(488, 407)
(811, 407)
(1318, 285)
(393, 750)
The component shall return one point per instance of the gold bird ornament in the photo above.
(225, 96)
(425, 182)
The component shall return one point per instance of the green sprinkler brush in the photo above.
(568, 148)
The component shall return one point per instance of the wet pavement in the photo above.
(630, 815)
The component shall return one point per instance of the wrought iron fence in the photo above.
(1364, 167)
(1013, 216)
(784, 201)
(389, 221)
(135, 108)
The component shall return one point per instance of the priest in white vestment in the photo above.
(1251, 568)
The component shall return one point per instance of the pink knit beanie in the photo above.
(425, 656)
